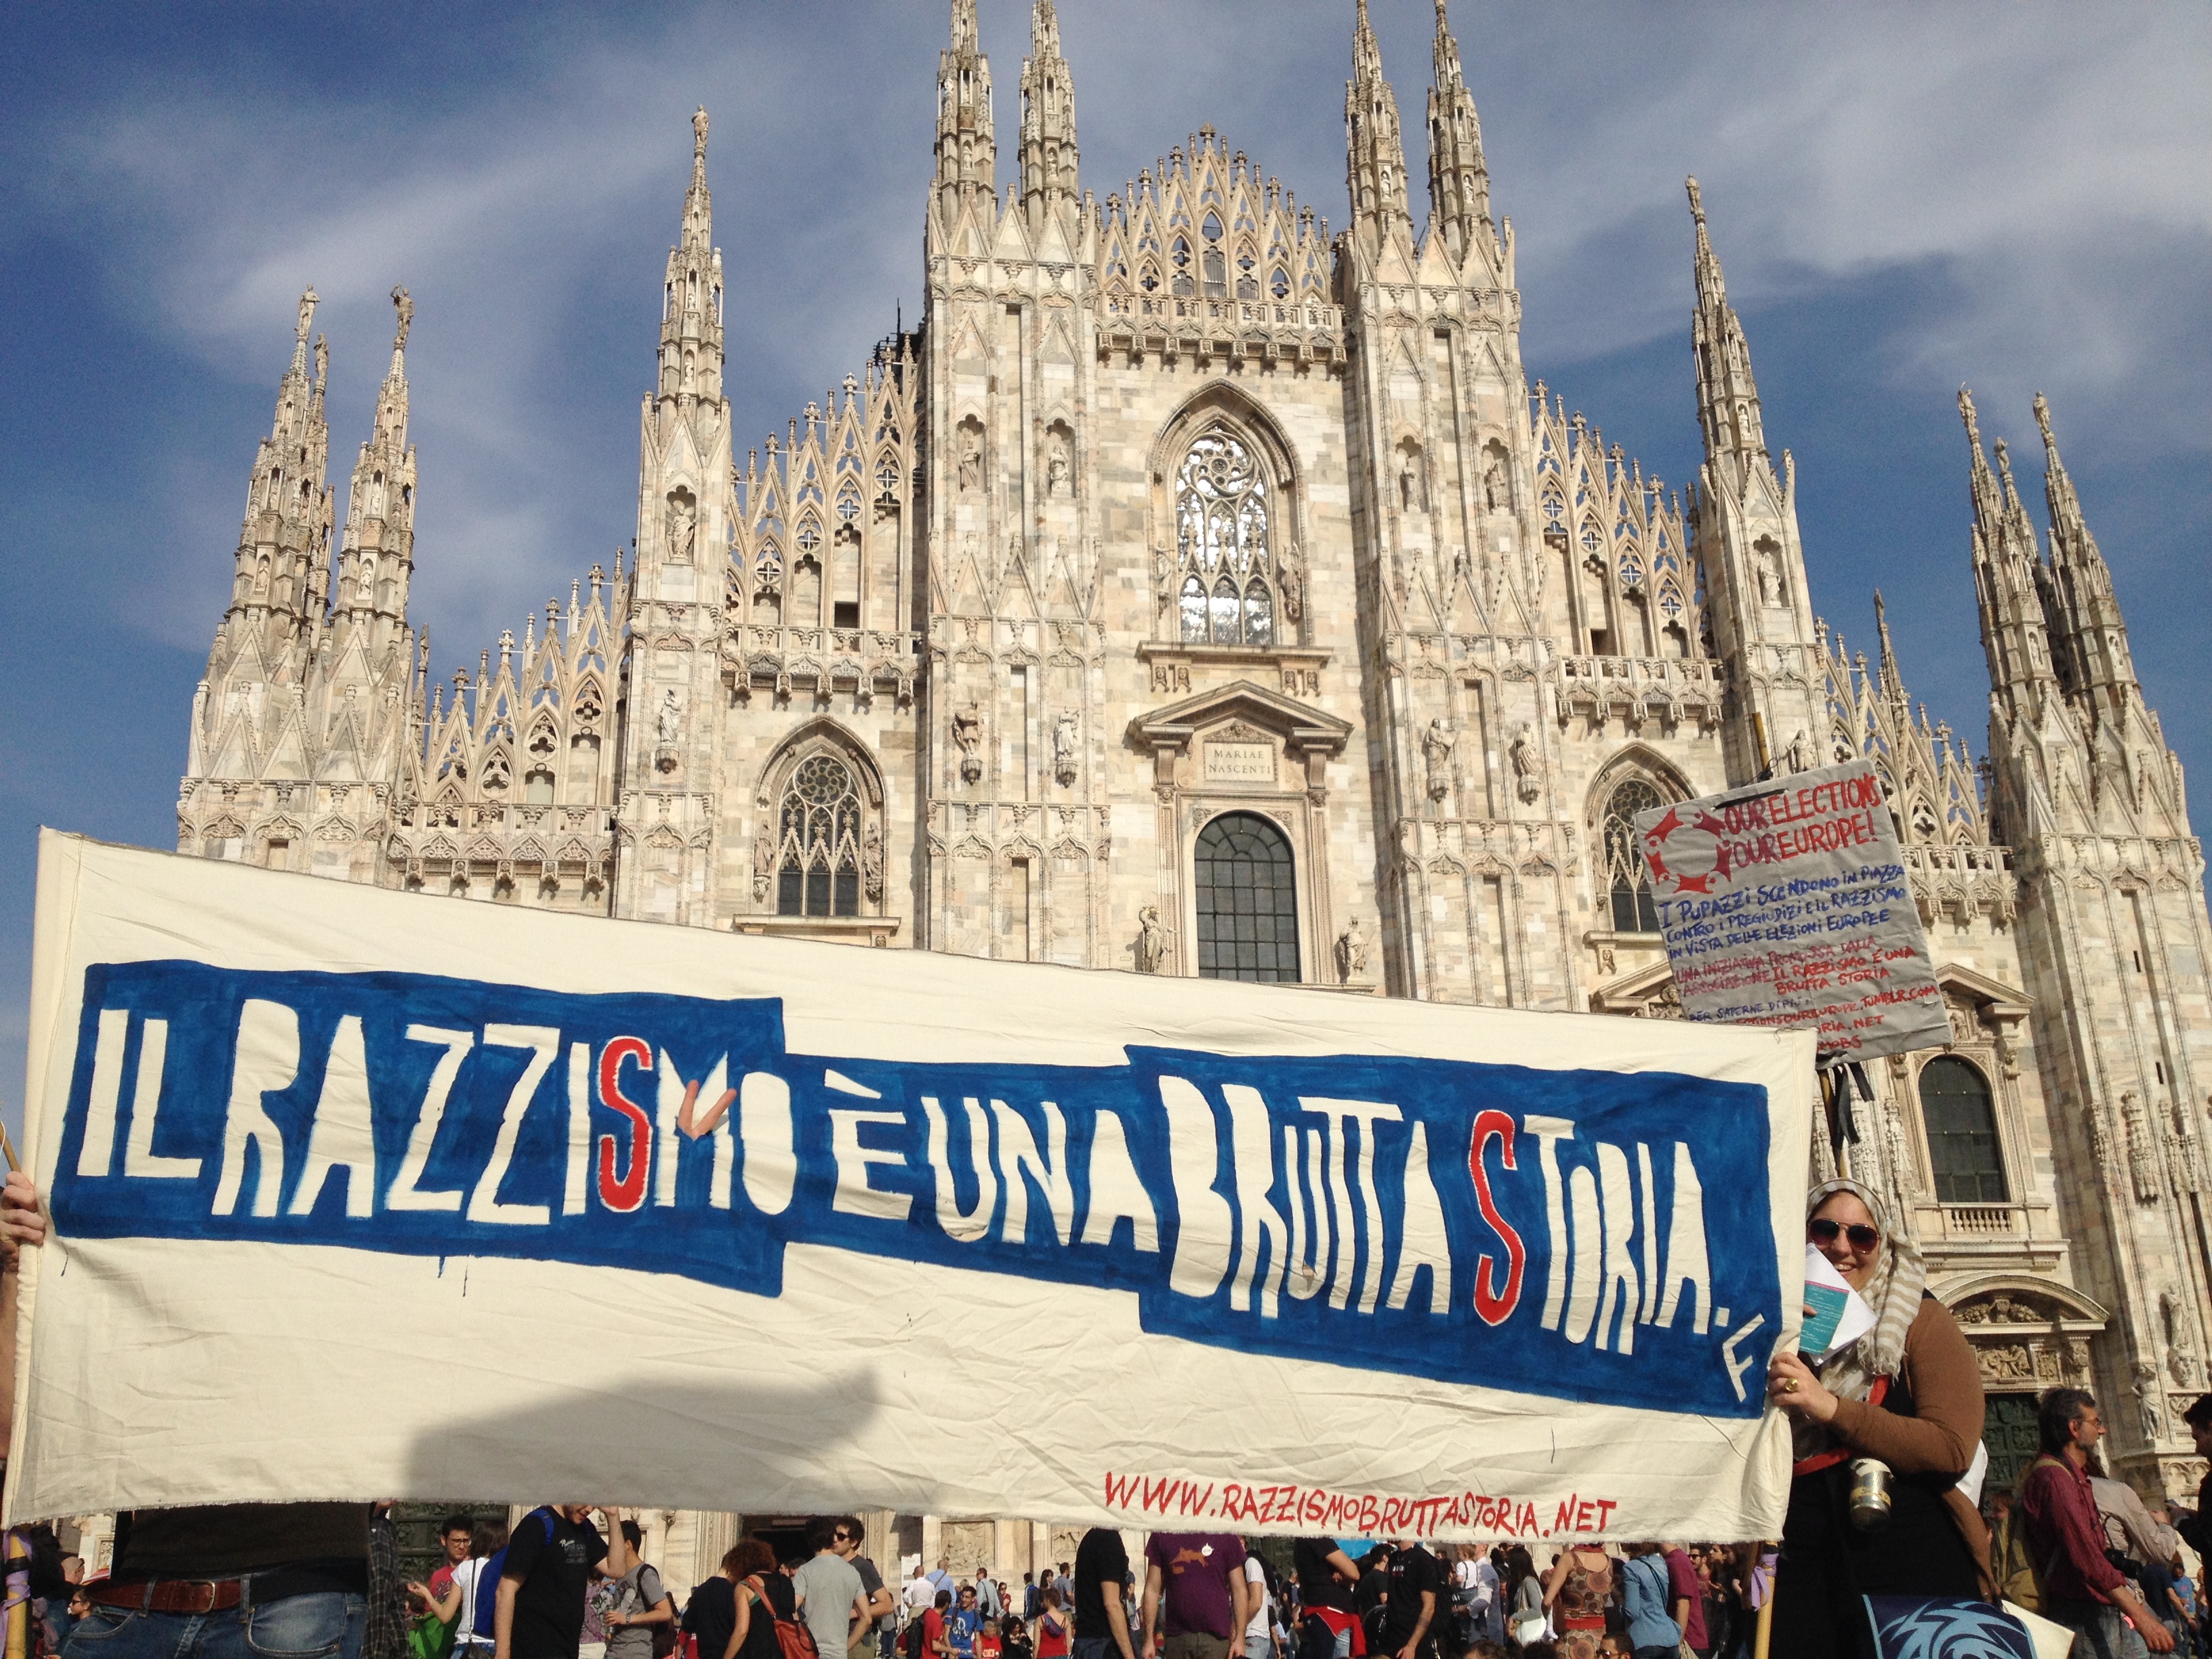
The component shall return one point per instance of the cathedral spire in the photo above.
(2008, 586)
(1048, 158)
(1893, 685)
(377, 559)
(967, 151)
(1459, 182)
(2089, 636)
(1376, 158)
(691, 292)
(285, 535)
(1727, 397)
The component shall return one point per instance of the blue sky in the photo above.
(1906, 198)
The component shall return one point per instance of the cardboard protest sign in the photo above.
(362, 1194)
(1786, 904)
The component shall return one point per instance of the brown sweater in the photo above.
(1945, 1385)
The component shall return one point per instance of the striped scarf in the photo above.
(1893, 1292)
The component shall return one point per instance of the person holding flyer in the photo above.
(1889, 1421)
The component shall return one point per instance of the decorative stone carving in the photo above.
(1493, 486)
(967, 733)
(1152, 940)
(1351, 952)
(1066, 745)
(1664, 1004)
(2175, 1320)
(1290, 580)
(971, 467)
(1437, 746)
(2150, 1416)
(2011, 1363)
(871, 863)
(2143, 1162)
(1606, 962)
(1798, 756)
(1527, 766)
(1055, 467)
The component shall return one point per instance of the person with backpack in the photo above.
(550, 1562)
(1054, 1627)
(642, 1621)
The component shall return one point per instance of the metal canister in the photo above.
(1870, 1479)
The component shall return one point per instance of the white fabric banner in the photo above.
(362, 1195)
(1786, 904)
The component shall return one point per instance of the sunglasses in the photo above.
(1824, 1231)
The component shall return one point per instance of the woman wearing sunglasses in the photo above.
(1907, 1392)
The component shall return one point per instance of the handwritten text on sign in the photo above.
(1547, 1232)
(1787, 904)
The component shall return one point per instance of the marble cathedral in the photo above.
(1199, 590)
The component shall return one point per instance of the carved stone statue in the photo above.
(2175, 1320)
(1493, 486)
(681, 526)
(322, 358)
(763, 863)
(871, 863)
(1056, 469)
(2142, 1166)
(1290, 578)
(1351, 952)
(968, 733)
(2147, 1403)
(1164, 576)
(1797, 757)
(308, 302)
(971, 467)
(668, 722)
(405, 307)
(699, 130)
(1770, 576)
(1409, 482)
(1066, 747)
(1437, 746)
(1527, 766)
(1152, 940)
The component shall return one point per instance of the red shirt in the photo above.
(986, 1646)
(933, 1629)
(1051, 1633)
(1682, 1585)
(2063, 1533)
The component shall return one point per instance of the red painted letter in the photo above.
(627, 1193)
(1494, 1306)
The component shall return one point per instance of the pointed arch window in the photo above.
(1223, 542)
(1628, 879)
(818, 836)
(1962, 1133)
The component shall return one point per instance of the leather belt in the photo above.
(208, 1594)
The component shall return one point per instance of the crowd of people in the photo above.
(1885, 1500)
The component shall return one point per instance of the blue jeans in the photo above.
(326, 1625)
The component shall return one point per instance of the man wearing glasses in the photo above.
(831, 1603)
(872, 1640)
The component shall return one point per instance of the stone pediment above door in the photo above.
(1241, 735)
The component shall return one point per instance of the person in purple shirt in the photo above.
(1195, 1605)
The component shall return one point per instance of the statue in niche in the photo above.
(668, 723)
(1527, 766)
(1152, 940)
(1770, 574)
(2180, 1344)
(763, 863)
(1463, 570)
(871, 863)
(967, 733)
(1797, 757)
(1494, 485)
(681, 526)
(1351, 952)
(1409, 482)
(1067, 741)
(971, 467)
(1055, 467)
(1290, 580)
(1437, 746)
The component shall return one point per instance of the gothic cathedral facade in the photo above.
(1197, 591)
